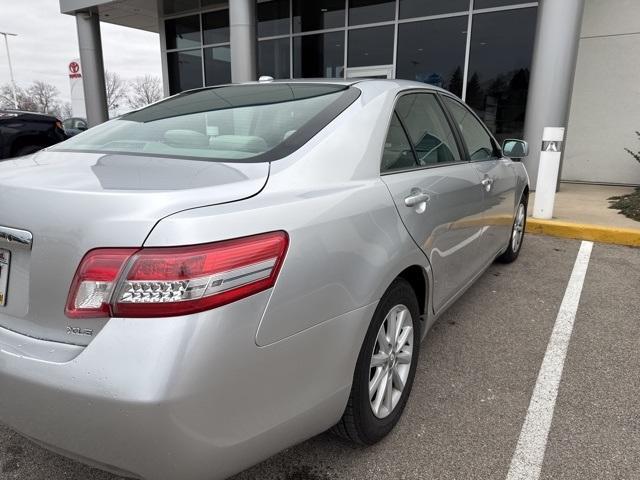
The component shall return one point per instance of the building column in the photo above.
(95, 97)
(242, 27)
(552, 70)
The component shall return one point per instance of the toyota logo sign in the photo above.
(74, 70)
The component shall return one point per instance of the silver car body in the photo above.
(206, 395)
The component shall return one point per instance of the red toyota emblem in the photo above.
(74, 67)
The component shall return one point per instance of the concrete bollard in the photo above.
(548, 169)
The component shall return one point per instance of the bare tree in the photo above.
(24, 101)
(144, 90)
(66, 110)
(44, 96)
(116, 90)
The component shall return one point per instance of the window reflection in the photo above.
(371, 11)
(185, 70)
(319, 55)
(317, 14)
(495, 3)
(371, 46)
(217, 65)
(183, 32)
(433, 52)
(273, 58)
(215, 26)
(273, 18)
(423, 8)
(499, 64)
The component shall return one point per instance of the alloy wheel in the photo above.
(391, 361)
(518, 228)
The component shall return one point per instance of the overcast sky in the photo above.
(47, 41)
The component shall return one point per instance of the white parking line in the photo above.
(526, 463)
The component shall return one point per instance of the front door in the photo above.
(436, 191)
(497, 176)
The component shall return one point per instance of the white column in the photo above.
(242, 28)
(90, 46)
(554, 60)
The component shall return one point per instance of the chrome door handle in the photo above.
(416, 197)
(486, 183)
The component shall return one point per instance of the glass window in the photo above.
(214, 3)
(397, 154)
(273, 58)
(319, 55)
(185, 70)
(273, 18)
(428, 129)
(317, 14)
(499, 63)
(433, 52)
(217, 65)
(424, 8)
(215, 27)
(234, 122)
(371, 11)
(371, 46)
(183, 32)
(476, 138)
(495, 3)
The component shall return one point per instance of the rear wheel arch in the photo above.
(417, 278)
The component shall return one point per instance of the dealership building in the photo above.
(520, 65)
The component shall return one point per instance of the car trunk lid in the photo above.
(74, 202)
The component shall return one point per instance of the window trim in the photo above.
(496, 146)
(461, 151)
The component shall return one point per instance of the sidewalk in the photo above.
(582, 211)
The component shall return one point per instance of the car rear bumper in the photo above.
(188, 397)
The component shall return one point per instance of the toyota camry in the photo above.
(201, 283)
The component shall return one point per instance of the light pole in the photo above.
(13, 82)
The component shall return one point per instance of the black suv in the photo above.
(22, 133)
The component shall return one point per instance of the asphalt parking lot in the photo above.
(478, 369)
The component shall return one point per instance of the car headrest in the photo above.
(239, 143)
(186, 138)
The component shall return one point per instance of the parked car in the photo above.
(22, 133)
(74, 125)
(199, 284)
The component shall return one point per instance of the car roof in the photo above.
(373, 84)
(24, 112)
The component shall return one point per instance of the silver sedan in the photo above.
(199, 284)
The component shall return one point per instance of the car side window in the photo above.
(428, 129)
(478, 141)
(397, 153)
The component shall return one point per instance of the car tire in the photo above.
(360, 422)
(517, 233)
(29, 149)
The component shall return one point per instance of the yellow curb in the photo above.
(582, 231)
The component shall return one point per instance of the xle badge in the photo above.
(79, 331)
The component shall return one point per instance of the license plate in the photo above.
(5, 260)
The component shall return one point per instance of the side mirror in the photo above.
(515, 149)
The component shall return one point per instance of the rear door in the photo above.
(497, 176)
(436, 191)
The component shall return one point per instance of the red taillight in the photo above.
(169, 281)
(94, 281)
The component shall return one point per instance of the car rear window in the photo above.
(251, 123)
